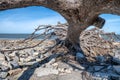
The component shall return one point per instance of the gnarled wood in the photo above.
(80, 14)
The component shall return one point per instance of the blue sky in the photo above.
(25, 20)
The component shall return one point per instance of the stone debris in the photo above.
(3, 75)
(79, 56)
(35, 64)
(116, 69)
(2, 57)
(45, 71)
(15, 71)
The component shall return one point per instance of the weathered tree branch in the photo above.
(80, 14)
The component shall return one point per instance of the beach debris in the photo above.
(100, 60)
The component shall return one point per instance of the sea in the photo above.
(24, 36)
(20, 36)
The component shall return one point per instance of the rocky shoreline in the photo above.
(32, 64)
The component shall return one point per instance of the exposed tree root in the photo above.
(94, 45)
(91, 42)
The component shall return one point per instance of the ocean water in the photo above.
(24, 36)
(20, 36)
(16, 36)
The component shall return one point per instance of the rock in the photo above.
(14, 64)
(55, 65)
(71, 76)
(116, 69)
(49, 64)
(48, 77)
(63, 70)
(7, 57)
(97, 68)
(101, 59)
(4, 68)
(16, 58)
(21, 59)
(35, 53)
(115, 77)
(15, 71)
(68, 71)
(12, 54)
(38, 59)
(29, 58)
(80, 57)
(116, 53)
(52, 61)
(45, 71)
(47, 54)
(24, 55)
(116, 60)
(4, 63)
(29, 51)
(2, 57)
(3, 74)
(10, 66)
(100, 76)
(63, 65)
(41, 56)
(15, 74)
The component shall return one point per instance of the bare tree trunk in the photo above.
(73, 34)
(80, 14)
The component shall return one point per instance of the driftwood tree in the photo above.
(79, 14)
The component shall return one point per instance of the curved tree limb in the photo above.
(80, 14)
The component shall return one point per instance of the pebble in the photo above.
(68, 71)
(46, 54)
(55, 64)
(4, 63)
(7, 57)
(97, 68)
(12, 54)
(79, 56)
(14, 64)
(3, 74)
(71, 76)
(63, 65)
(101, 59)
(2, 57)
(52, 61)
(16, 58)
(29, 58)
(35, 53)
(15, 71)
(101, 76)
(24, 55)
(45, 71)
(21, 59)
(4, 68)
(117, 69)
